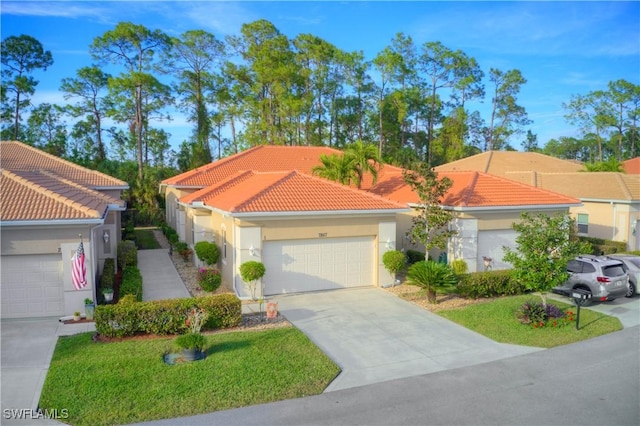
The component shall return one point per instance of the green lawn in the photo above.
(125, 382)
(496, 320)
(145, 239)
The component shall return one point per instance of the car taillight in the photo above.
(603, 279)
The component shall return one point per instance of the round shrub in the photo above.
(459, 266)
(209, 279)
(207, 252)
(252, 271)
(393, 261)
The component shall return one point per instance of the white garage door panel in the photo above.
(320, 264)
(491, 243)
(32, 286)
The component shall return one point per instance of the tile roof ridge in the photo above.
(268, 188)
(470, 190)
(62, 160)
(205, 168)
(522, 184)
(49, 193)
(81, 188)
(623, 186)
(488, 163)
(353, 189)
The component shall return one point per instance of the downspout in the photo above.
(613, 231)
(94, 261)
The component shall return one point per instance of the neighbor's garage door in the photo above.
(320, 264)
(32, 286)
(491, 244)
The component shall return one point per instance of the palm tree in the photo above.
(338, 168)
(366, 160)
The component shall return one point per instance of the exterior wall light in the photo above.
(105, 237)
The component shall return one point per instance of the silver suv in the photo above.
(605, 279)
(632, 265)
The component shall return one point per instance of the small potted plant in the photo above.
(89, 308)
(107, 292)
(191, 345)
(193, 341)
(76, 316)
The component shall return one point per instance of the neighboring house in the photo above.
(46, 203)
(484, 209)
(263, 204)
(610, 206)
(632, 166)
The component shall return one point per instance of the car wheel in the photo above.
(632, 290)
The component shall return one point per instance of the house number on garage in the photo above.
(322, 234)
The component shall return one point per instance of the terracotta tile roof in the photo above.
(40, 196)
(286, 191)
(592, 185)
(474, 189)
(264, 158)
(632, 166)
(500, 162)
(17, 156)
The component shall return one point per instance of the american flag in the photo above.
(79, 270)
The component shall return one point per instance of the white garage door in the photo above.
(32, 286)
(491, 243)
(294, 266)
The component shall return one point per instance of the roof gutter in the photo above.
(513, 208)
(59, 222)
(319, 212)
(603, 200)
(201, 205)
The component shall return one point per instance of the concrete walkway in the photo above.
(160, 280)
(375, 336)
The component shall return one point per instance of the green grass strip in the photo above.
(125, 382)
(497, 320)
(145, 240)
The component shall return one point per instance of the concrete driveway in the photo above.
(375, 336)
(27, 347)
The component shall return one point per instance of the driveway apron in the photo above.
(375, 336)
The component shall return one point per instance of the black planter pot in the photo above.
(191, 354)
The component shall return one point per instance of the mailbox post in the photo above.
(580, 296)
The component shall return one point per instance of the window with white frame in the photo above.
(583, 223)
(224, 243)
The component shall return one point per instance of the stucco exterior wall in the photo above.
(611, 220)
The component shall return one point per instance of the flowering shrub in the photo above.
(537, 315)
(209, 279)
(195, 319)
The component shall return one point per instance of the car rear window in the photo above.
(613, 270)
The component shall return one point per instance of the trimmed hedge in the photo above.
(600, 246)
(414, 256)
(127, 254)
(476, 285)
(207, 252)
(166, 316)
(131, 283)
(108, 277)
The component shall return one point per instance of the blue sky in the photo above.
(561, 48)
